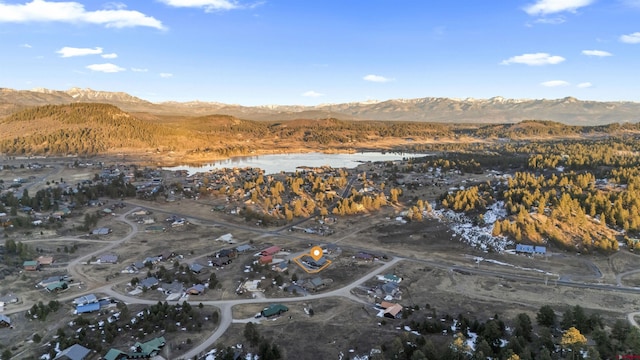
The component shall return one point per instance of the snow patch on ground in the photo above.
(478, 236)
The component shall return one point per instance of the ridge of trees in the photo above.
(93, 128)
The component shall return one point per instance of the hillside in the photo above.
(97, 128)
(568, 110)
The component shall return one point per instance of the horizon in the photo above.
(262, 53)
(370, 101)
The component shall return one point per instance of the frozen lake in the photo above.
(273, 164)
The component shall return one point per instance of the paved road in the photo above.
(225, 306)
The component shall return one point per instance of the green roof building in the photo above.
(275, 309)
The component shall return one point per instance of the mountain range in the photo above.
(567, 110)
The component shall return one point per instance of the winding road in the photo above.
(226, 306)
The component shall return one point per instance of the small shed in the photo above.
(31, 265)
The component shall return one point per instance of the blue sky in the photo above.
(309, 52)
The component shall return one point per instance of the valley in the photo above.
(480, 240)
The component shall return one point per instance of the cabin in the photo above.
(31, 265)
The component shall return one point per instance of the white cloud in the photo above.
(109, 56)
(544, 7)
(207, 5)
(139, 70)
(166, 75)
(555, 83)
(584, 85)
(312, 93)
(553, 21)
(631, 38)
(26, 46)
(376, 78)
(106, 68)
(598, 53)
(74, 12)
(536, 59)
(71, 51)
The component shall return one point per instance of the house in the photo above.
(5, 321)
(9, 299)
(101, 231)
(86, 299)
(52, 280)
(272, 250)
(317, 263)
(316, 283)
(115, 354)
(148, 283)
(31, 265)
(152, 259)
(196, 289)
(389, 289)
(45, 260)
(244, 248)
(265, 260)
(166, 255)
(148, 349)
(272, 310)
(172, 288)
(362, 256)
(196, 268)
(87, 308)
(230, 253)
(391, 310)
(282, 266)
(220, 261)
(73, 352)
(107, 259)
(57, 286)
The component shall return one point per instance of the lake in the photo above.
(273, 164)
